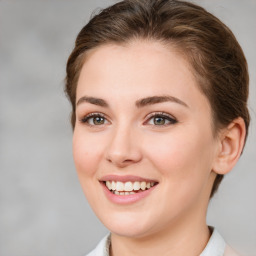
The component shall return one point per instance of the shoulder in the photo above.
(230, 252)
(102, 249)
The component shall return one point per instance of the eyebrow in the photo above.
(159, 99)
(94, 101)
(139, 103)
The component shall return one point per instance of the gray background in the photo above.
(42, 208)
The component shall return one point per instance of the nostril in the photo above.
(120, 161)
(123, 149)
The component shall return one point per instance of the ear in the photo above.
(231, 143)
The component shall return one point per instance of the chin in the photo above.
(128, 225)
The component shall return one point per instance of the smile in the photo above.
(129, 187)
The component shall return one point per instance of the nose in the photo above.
(124, 147)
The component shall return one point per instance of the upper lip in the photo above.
(125, 178)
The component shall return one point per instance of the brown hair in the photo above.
(212, 50)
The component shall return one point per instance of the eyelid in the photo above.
(162, 114)
(86, 117)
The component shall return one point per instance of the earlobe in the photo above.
(231, 144)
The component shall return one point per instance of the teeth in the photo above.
(109, 185)
(136, 185)
(127, 188)
(123, 193)
(143, 185)
(119, 186)
(113, 185)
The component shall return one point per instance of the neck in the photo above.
(175, 240)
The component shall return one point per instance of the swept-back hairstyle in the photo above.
(215, 56)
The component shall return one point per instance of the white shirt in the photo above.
(216, 246)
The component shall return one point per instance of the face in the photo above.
(143, 144)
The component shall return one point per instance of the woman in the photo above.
(159, 110)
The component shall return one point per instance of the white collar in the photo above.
(215, 246)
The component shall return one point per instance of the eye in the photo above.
(161, 119)
(94, 119)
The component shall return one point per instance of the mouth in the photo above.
(128, 187)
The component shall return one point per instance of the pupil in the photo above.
(159, 120)
(98, 120)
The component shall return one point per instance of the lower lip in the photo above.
(126, 199)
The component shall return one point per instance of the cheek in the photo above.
(86, 152)
(184, 165)
(182, 156)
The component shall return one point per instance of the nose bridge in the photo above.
(123, 148)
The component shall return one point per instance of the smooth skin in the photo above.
(171, 142)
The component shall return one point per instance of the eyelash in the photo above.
(86, 119)
(163, 115)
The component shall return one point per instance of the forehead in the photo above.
(138, 69)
